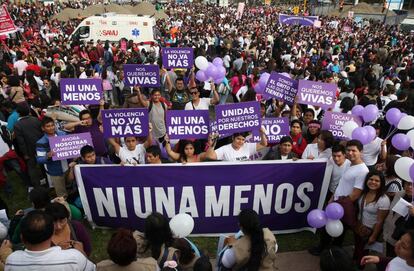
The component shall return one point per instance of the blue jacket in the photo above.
(53, 168)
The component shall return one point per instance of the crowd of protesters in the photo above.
(371, 63)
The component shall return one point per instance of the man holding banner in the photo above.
(132, 153)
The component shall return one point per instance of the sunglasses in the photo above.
(193, 92)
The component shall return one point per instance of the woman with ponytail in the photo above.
(255, 250)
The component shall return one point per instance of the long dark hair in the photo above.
(182, 146)
(250, 225)
(382, 190)
(157, 232)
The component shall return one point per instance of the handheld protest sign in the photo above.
(186, 124)
(141, 75)
(125, 122)
(281, 87)
(68, 146)
(182, 58)
(238, 117)
(317, 93)
(334, 122)
(275, 129)
(75, 91)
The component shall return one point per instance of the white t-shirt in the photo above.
(136, 156)
(228, 153)
(337, 172)
(312, 150)
(21, 66)
(51, 259)
(203, 104)
(371, 152)
(398, 264)
(354, 177)
(369, 213)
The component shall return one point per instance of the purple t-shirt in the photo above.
(97, 137)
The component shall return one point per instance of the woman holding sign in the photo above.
(187, 152)
(238, 150)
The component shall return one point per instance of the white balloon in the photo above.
(334, 227)
(410, 134)
(349, 127)
(402, 168)
(182, 225)
(406, 123)
(201, 62)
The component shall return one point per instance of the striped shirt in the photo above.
(51, 259)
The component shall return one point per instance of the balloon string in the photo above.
(393, 132)
(389, 130)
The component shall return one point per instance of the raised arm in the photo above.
(216, 97)
(175, 156)
(210, 153)
(148, 142)
(263, 140)
(143, 101)
(101, 107)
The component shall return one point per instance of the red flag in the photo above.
(6, 23)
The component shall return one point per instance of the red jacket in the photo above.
(299, 144)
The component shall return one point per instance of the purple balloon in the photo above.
(361, 134)
(219, 80)
(412, 172)
(263, 79)
(285, 74)
(258, 88)
(401, 142)
(201, 76)
(218, 62)
(334, 211)
(370, 113)
(357, 110)
(222, 71)
(211, 69)
(393, 116)
(372, 133)
(317, 218)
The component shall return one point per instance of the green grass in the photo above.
(100, 237)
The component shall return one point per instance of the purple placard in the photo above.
(213, 194)
(68, 146)
(125, 122)
(141, 75)
(333, 121)
(275, 128)
(298, 20)
(317, 93)
(75, 91)
(238, 117)
(186, 124)
(281, 87)
(214, 129)
(182, 58)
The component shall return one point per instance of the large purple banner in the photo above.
(177, 58)
(281, 87)
(141, 75)
(317, 93)
(212, 193)
(299, 20)
(125, 122)
(186, 124)
(80, 91)
(238, 117)
(334, 121)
